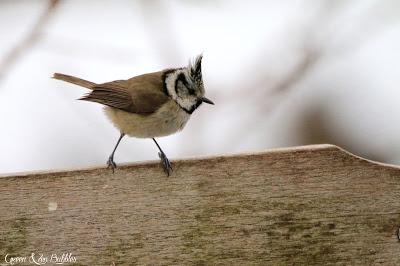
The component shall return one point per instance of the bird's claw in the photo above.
(111, 164)
(165, 163)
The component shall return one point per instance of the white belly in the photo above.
(167, 120)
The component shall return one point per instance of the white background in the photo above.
(281, 73)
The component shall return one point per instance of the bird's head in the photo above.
(185, 85)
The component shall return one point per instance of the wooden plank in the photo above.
(305, 205)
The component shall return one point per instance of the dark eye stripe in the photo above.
(181, 77)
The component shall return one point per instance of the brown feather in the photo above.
(74, 80)
(141, 94)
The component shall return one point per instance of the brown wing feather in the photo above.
(113, 97)
(133, 95)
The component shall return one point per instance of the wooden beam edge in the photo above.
(306, 148)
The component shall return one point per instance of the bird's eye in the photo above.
(191, 91)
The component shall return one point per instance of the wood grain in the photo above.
(305, 205)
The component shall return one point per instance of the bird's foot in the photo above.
(165, 163)
(111, 164)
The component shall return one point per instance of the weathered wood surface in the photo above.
(306, 205)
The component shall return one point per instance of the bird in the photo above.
(150, 105)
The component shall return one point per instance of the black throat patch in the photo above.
(193, 108)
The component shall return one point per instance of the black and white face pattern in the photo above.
(185, 85)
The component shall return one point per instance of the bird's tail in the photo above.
(74, 80)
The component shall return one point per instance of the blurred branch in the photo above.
(310, 57)
(29, 39)
(283, 86)
(272, 96)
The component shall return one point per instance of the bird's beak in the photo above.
(205, 100)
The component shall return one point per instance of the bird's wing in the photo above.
(143, 97)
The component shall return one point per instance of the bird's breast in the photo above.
(168, 119)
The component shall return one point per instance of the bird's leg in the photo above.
(110, 162)
(164, 160)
